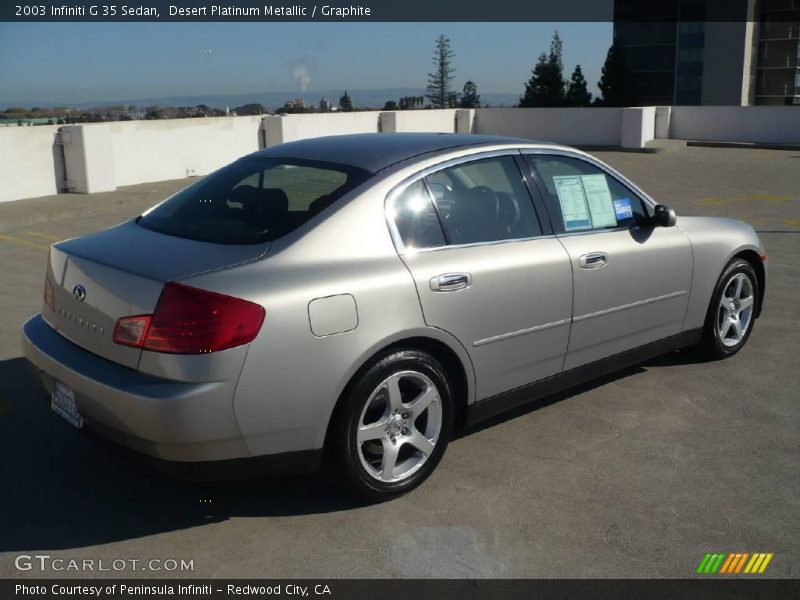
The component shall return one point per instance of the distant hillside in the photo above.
(373, 98)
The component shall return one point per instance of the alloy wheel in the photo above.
(399, 426)
(735, 311)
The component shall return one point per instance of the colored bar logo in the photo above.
(733, 563)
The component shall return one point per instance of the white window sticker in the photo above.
(573, 202)
(598, 197)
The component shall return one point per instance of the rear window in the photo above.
(253, 200)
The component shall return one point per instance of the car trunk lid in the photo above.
(121, 271)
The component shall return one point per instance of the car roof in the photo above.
(374, 152)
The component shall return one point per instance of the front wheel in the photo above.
(731, 315)
(393, 427)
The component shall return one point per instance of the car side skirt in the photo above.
(494, 405)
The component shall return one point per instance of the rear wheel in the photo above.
(394, 426)
(731, 315)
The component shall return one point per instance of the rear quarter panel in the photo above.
(292, 378)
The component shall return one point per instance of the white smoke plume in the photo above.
(302, 69)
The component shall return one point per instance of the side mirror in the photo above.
(664, 216)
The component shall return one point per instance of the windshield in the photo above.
(253, 200)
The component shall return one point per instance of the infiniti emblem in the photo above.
(79, 292)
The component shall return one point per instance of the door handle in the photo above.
(593, 260)
(450, 282)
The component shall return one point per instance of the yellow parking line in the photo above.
(44, 236)
(714, 201)
(10, 238)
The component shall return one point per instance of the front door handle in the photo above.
(593, 260)
(450, 282)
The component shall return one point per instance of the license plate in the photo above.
(63, 402)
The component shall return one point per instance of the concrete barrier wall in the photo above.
(287, 128)
(172, 149)
(764, 124)
(27, 165)
(103, 156)
(429, 121)
(638, 126)
(573, 126)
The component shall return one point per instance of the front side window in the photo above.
(252, 200)
(582, 196)
(484, 201)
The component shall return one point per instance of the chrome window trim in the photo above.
(401, 187)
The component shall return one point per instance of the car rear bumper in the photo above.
(174, 421)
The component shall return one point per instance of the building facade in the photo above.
(678, 54)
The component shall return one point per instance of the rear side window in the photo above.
(484, 201)
(253, 200)
(582, 196)
(416, 220)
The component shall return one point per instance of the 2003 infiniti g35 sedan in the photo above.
(355, 298)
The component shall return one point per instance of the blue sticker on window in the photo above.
(622, 209)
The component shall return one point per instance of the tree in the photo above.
(390, 105)
(470, 97)
(345, 103)
(152, 112)
(615, 82)
(535, 89)
(411, 102)
(546, 85)
(577, 94)
(254, 108)
(438, 90)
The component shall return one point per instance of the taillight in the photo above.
(130, 331)
(49, 296)
(189, 320)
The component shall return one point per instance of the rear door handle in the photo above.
(593, 260)
(450, 282)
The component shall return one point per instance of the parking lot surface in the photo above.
(639, 474)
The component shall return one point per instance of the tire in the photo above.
(731, 313)
(377, 422)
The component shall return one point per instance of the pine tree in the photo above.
(536, 89)
(615, 82)
(546, 85)
(577, 94)
(470, 97)
(345, 103)
(439, 81)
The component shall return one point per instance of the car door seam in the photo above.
(691, 279)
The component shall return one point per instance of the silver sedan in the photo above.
(351, 300)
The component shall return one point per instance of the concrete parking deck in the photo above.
(637, 475)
